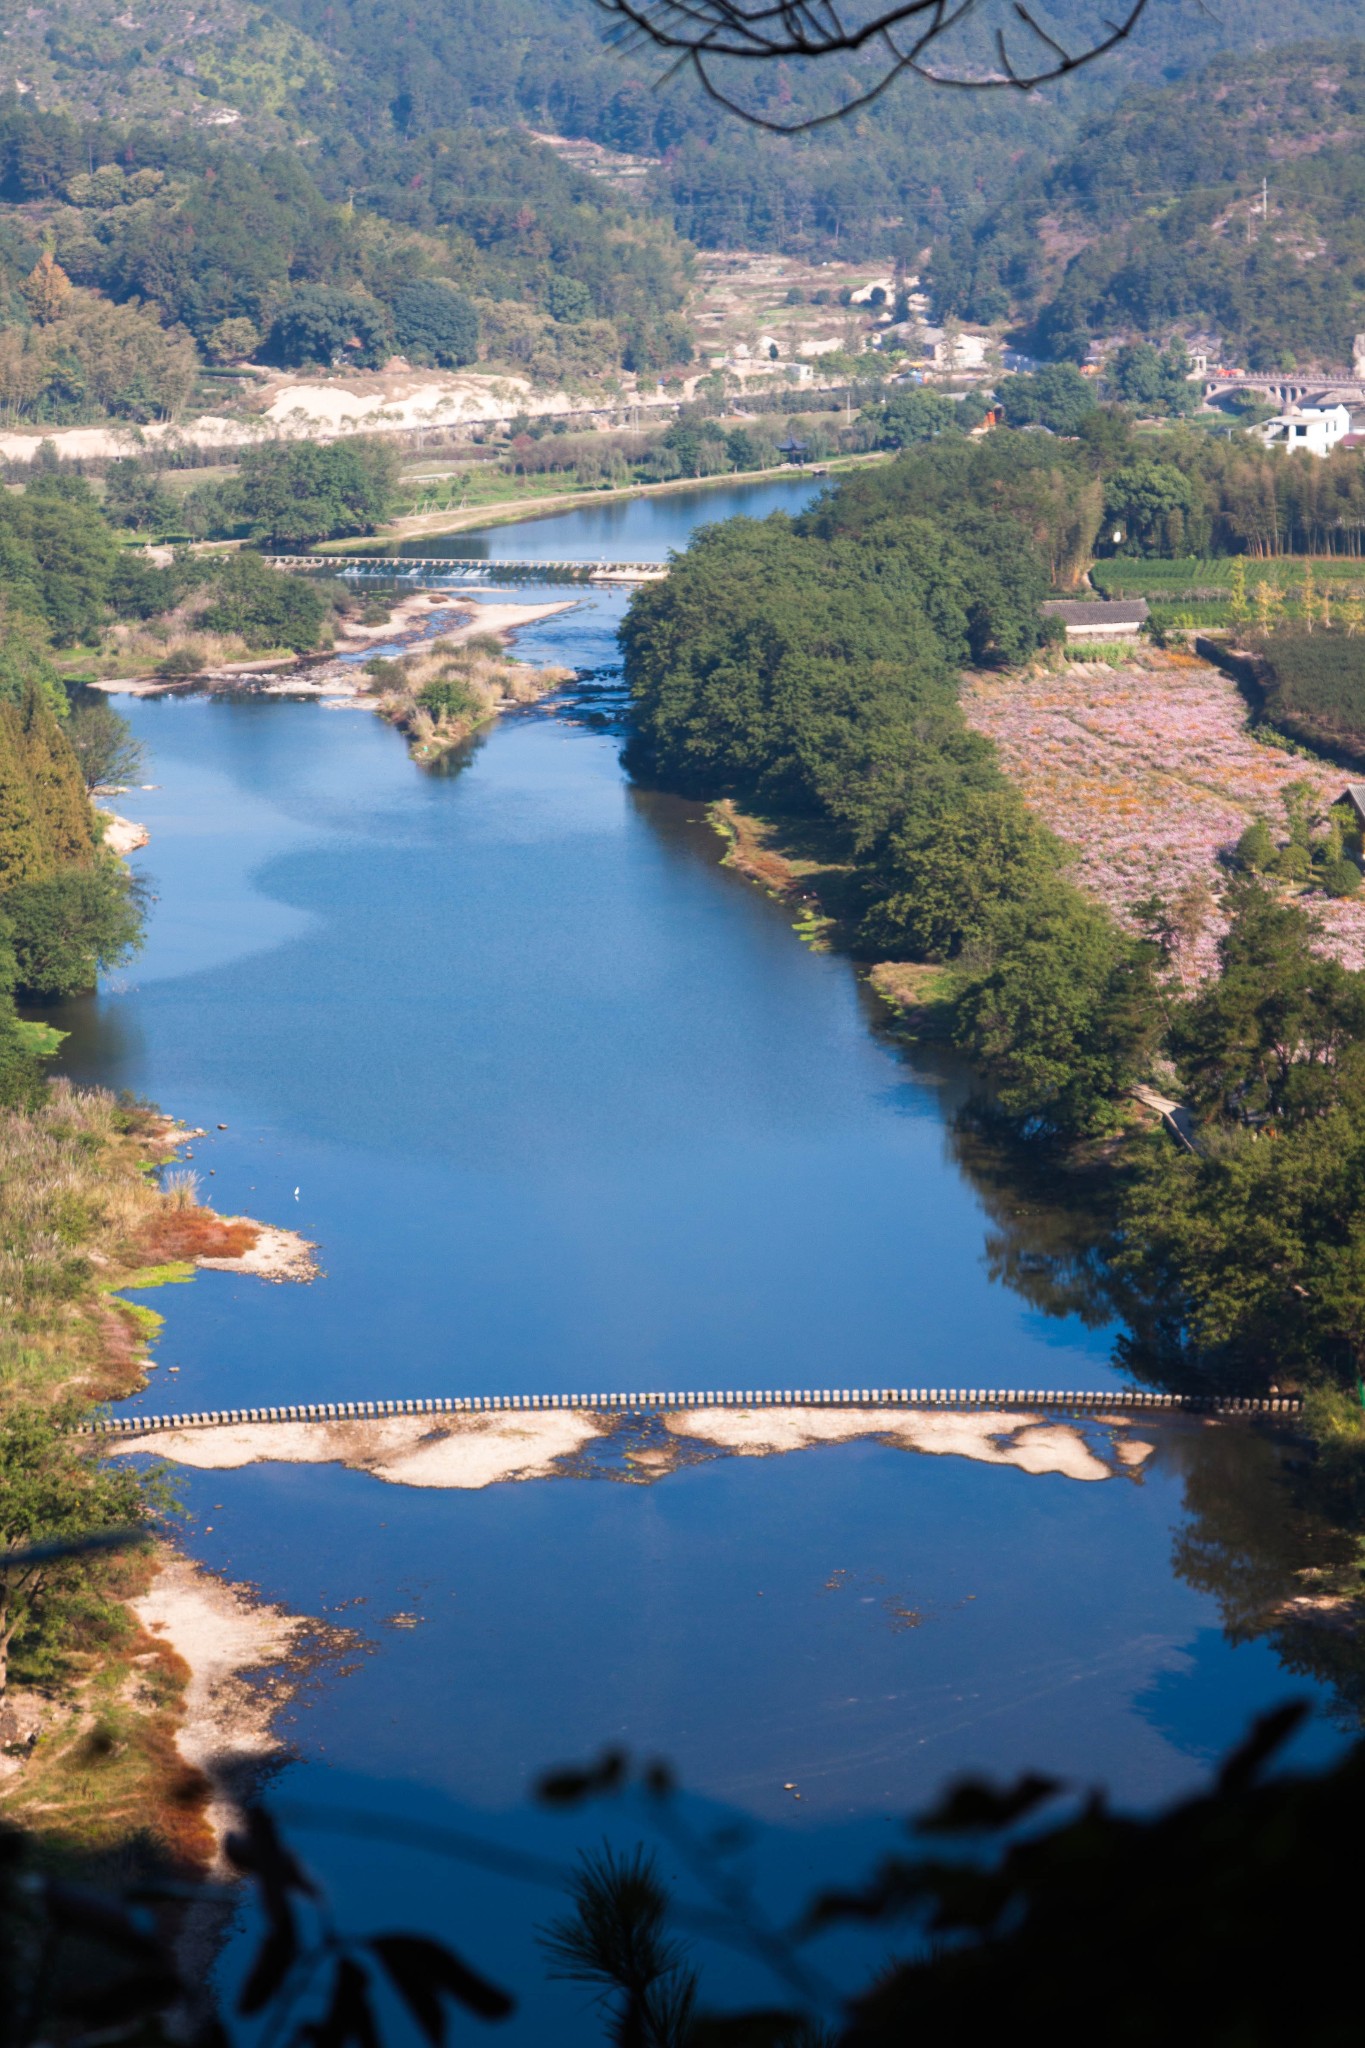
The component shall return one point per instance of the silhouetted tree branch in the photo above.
(909, 37)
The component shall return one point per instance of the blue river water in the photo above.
(569, 1106)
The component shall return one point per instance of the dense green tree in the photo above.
(328, 329)
(26, 656)
(56, 555)
(966, 846)
(134, 496)
(1279, 1036)
(434, 324)
(61, 808)
(51, 1492)
(568, 298)
(304, 490)
(1152, 382)
(24, 855)
(1059, 1005)
(1250, 1252)
(1057, 397)
(68, 927)
(268, 607)
(1148, 502)
(916, 415)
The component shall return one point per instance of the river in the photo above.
(569, 1106)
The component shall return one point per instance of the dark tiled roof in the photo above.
(1077, 612)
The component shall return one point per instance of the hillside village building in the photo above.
(1100, 619)
(1318, 428)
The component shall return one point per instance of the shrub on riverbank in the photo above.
(81, 1214)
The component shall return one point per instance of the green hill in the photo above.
(1158, 219)
(230, 63)
(129, 253)
(358, 76)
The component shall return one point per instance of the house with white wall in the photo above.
(1318, 428)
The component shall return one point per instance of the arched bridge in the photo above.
(456, 570)
(1285, 388)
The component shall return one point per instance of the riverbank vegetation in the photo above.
(810, 670)
(88, 1702)
(77, 603)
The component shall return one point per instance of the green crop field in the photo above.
(1315, 689)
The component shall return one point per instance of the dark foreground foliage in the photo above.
(1223, 1918)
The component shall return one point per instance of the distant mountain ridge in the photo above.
(222, 63)
(1232, 202)
(352, 74)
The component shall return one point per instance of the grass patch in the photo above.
(920, 996)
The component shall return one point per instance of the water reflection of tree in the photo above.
(1264, 1532)
(1261, 1539)
(445, 767)
(1051, 1220)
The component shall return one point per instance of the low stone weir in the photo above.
(1090, 1401)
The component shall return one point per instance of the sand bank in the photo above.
(482, 1449)
(410, 623)
(121, 835)
(276, 1255)
(1028, 1442)
(221, 1632)
(407, 1450)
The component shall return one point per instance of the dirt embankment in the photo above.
(219, 1633)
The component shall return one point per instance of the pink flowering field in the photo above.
(1149, 772)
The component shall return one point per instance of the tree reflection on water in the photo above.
(1269, 1531)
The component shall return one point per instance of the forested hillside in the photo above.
(129, 255)
(359, 75)
(1156, 219)
(909, 167)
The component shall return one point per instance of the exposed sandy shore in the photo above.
(408, 1450)
(221, 1631)
(337, 680)
(121, 835)
(1028, 1442)
(475, 1450)
(277, 1255)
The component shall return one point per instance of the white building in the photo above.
(965, 352)
(1317, 428)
